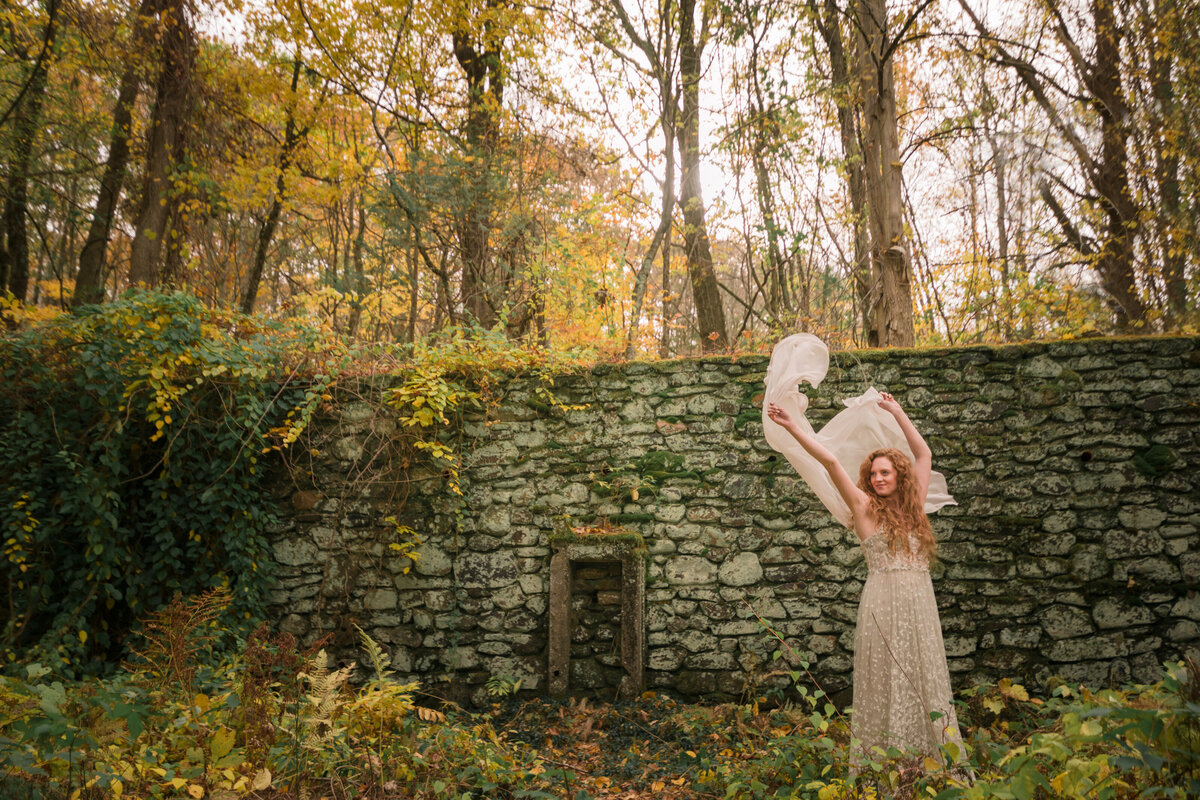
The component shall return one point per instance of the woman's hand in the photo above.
(889, 404)
(779, 416)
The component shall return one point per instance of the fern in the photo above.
(175, 636)
(380, 660)
(325, 699)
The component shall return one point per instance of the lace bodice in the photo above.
(881, 559)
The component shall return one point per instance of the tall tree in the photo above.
(90, 279)
(891, 297)
(293, 135)
(166, 145)
(26, 112)
(1103, 160)
(710, 312)
(830, 20)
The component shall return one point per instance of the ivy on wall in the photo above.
(130, 443)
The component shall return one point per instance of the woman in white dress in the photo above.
(902, 695)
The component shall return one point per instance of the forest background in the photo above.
(634, 177)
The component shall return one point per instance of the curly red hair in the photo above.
(901, 514)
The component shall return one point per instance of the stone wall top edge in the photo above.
(838, 358)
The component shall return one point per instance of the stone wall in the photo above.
(1074, 548)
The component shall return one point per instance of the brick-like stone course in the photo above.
(1074, 548)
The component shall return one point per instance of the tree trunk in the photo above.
(891, 267)
(777, 294)
(1115, 259)
(483, 69)
(662, 234)
(1171, 221)
(26, 120)
(291, 138)
(166, 146)
(829, 25)
(706, 294)
(89, 282)
(359, 286)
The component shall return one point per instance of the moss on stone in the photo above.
(633, 517)
(1155, 461)
(538, 406)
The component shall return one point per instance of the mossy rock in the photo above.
(1155, 461)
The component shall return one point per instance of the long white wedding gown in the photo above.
(900, 670)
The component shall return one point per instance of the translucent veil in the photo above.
(859, 428)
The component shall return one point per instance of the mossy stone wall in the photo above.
(1074, 548)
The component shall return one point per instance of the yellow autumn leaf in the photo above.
(196, 790)
(221, 743)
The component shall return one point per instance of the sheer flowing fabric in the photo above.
(853, 433)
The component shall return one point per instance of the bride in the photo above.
(902, 694)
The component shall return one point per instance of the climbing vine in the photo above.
(130, 439)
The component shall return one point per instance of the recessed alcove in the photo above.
(597, 618)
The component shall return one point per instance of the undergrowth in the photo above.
(278, 722)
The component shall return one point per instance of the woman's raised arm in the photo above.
(854, 497)
(922, 455)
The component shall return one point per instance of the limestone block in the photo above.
(1187, 607)
(769, 608)
(1111, 613)
(435, 599)
(742, 569)
(1142, 518)
(402, 659)
(347, 448)
(1184, 631)
(1152, 570)
(488, 570)
(670, 513)
(432, 561)
(495, 519)
(509, 597)
(482, 543)
(739, 627)
(666, 658)
(457, 658)
(690, 570)
(1088, 648)
(800, 608)
(380, 600)
(295, 553)
(696, 641)
(960, 645)
(533, 584)
(1065, 622)
(711, 661)
(1088, 563)
(1042, 366)
(1024, 637)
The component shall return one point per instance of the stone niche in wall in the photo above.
(1074, 549)
(597, 607)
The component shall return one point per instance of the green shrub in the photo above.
(130, 443)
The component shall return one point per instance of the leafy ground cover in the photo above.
(277, 723)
